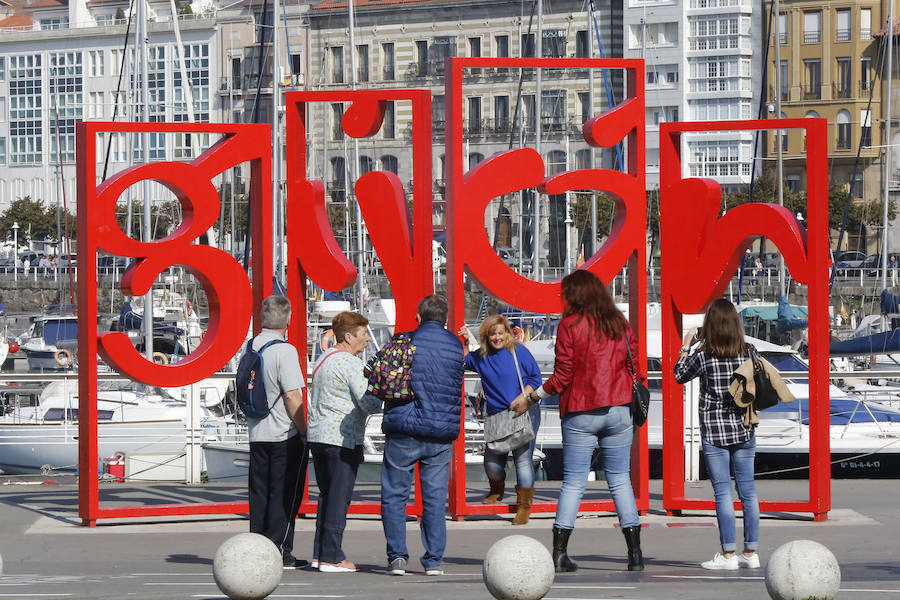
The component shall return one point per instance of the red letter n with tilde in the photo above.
(700, 251)
(232, 300)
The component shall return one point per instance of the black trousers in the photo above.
(336, 469)
(276, 478)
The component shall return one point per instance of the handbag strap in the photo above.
(630, 360)
(518, 372)
(321, 362)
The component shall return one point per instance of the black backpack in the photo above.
(250, 382)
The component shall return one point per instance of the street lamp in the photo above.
(15, 229)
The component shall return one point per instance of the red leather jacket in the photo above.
(590, 371)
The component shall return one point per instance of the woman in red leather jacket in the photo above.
(592, 376)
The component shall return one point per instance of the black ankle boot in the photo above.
(633, 539)
(560, 543)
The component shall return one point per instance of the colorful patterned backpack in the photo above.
(390, 370)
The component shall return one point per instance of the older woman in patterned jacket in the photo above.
(338, 407)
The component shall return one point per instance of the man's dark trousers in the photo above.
(277, 475)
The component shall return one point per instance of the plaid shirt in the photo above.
(721, 420)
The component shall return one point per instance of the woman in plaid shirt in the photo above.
(727, 442)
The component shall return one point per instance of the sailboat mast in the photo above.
(779, 163)
(360, 238)
(539, 52)
(887, 144)
(276, 147)
(145, 153)
(590, 165)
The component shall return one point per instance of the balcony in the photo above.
(812, 91)
(782, 37)
(785, 93)
(840, 91)
(843, 35)
(865, 35)
(812, 37)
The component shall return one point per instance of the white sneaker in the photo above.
(345, 566)
(749, 562)
(720, 563)
(434, 571)
(314, 564)
(397, 566)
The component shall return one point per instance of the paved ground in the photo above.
(46, 554)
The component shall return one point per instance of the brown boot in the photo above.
(524, 496)
(496, 493)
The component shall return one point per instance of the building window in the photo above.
(2, 150)
(388, 125)
(337, 113)
(25, 110)
(812, 27)
(390, 163)
(2, 68)
(528, 112)
(527, 45)
(387, 61)
(813, 89)
(95, 105)
(296, 69)
(865, 24)
(714, 32)
(95, 63)
(473, 124)
(337, 64)
(582, 44)
(475, 47)
(865, 74)
(554, 43)
(843, 25)
(553, 110)
(843, 130)
(865, 123)
(785, 81)
(716, 159)
(502, 44)
(196, 61)
(54, 23)
(844, 80)
(66, 86)
(366, 165)
(362, 62)
(338, 179)
(422, 57)
(652, 78)
(501, 114)
(782, 28)
(584, 103)
(437, 113)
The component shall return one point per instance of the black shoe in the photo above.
(290, 562)
(561, 562)
(633, 540)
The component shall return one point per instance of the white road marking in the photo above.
(867, 590)
(208, 583)
(708, 577)
(303, 596)
(594, 587)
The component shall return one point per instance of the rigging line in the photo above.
(879, 61)
(118, 87)
(610, 99)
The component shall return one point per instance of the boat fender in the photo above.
(62, 357)
(160, 358)
(519, 334)
(327, 340)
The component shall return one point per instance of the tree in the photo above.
(35, 220)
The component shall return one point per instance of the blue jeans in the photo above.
(523, 457)
(401, 453)
(612, 429)
(719, 463)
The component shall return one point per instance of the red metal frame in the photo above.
(700, 250)
(403, 244)
(468, 248)
(232, 299)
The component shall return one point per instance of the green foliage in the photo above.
(164, 217)
(35, 221)
(185, 9)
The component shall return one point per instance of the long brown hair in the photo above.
(722, 334)
(586, 295)
(484, 333)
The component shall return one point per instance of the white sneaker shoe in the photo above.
(434, 571)
(749, 562)
(720, 563)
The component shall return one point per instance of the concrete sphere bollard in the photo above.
(247, 566)
(518, 568)
(803, 570)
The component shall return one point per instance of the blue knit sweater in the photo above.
(498, 375)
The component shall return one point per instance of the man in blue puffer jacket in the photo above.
(422, 431)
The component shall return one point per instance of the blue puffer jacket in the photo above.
(437, 373)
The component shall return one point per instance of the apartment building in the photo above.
(828, 69)
(404, 44)
(700, 66)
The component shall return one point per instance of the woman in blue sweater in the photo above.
(494, 363)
